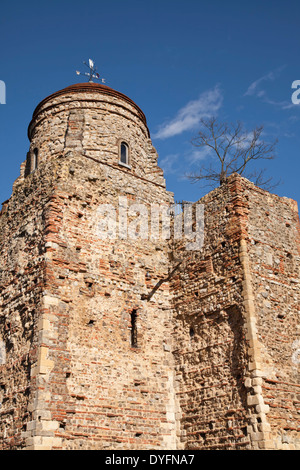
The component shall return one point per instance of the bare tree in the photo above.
(233, 150)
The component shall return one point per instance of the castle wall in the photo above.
(98, 385)
(211, 354)
(22, 231)
(273, 228)
(114, 338)
(236, 304)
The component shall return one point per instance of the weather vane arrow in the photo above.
(92, 72)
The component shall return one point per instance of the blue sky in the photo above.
(178, 60)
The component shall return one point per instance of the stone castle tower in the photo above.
(138, 342)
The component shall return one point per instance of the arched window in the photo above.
(124, 153)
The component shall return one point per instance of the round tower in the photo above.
(98, 333)
(96, 121)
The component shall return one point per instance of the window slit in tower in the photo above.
(124, 153)
(35, 159)
(134, 329)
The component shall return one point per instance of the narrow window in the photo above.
(134, 329)
(28, 164)
(35, 159)
(124, 154)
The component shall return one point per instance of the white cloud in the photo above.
(281, 104)
(168, 162)
(255, 89)
(177, 164)
(198, 155)
(189, 116)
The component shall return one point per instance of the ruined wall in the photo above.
(237, 324)
(211, 356)
(22, 272)
(273, 228)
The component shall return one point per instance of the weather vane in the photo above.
(92, 72)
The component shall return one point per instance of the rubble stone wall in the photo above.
(274, 249)
(94, 120)
(22, 269)
(103, 391)
(237, 323)
(211, 355)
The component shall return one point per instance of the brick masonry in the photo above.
(140, 343)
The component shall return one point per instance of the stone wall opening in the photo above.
(133, 334)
